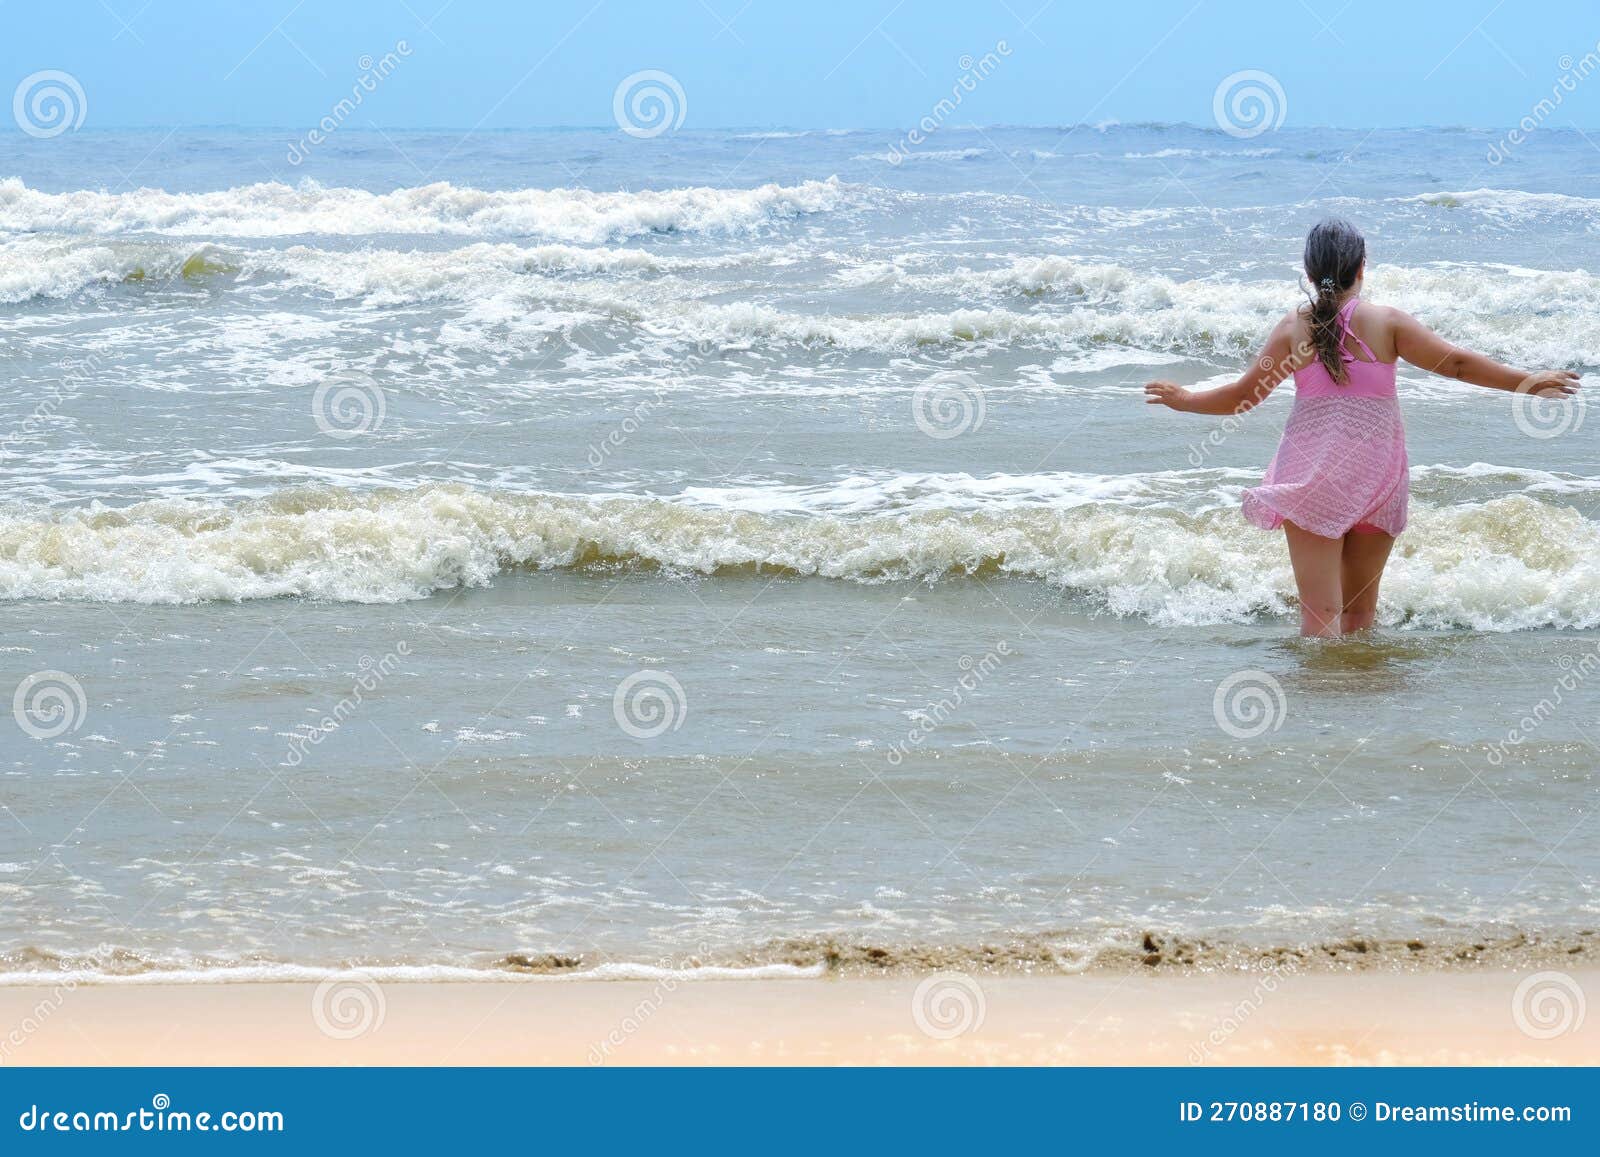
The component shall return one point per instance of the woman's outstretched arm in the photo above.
(1426, 350)
(1275, 362)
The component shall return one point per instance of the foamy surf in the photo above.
(1510, 563)
(39, 266)
(252, 973)
(56, 266)
(1054, 301)
(1510, 204)
(277, 210)
(1535, 316)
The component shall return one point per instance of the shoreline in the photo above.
(1485, 1016)
(1040, 956)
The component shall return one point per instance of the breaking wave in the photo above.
(1508, 563)
(277, 210)
(1534, 316)
(1511, 204)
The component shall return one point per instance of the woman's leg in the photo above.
(1361, 567)
(1316, 562)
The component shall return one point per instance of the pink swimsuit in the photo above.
(1341, 466)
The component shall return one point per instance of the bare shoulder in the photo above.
(1385, 318)
(1378, 325)
(1380, 314)
(1294, 325)
(1293, 331)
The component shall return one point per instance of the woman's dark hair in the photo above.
(1335, 250)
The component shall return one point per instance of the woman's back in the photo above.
(1367, 350)
(1342, 461)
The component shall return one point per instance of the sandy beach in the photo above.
(1228, 1019)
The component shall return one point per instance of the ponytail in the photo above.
(1335, 250)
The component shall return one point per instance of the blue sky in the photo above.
(801, 63)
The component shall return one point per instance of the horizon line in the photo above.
(1098, 126)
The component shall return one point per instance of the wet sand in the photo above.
(1422, 1017)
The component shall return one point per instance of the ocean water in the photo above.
(561, 551)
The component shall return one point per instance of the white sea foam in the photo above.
(786, 134)
(1132, 545)
(1535, 317)
(1526, 480)
(50, 265)
(278, 210)
(1510, 204)
(39, 265)
(259, 973)
(922, 155)
(474, 272)
(1095, 361)
(1531, 316)
(1164, 154)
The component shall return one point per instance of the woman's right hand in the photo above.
(1549, 384)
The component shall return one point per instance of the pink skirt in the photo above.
(1341, 467)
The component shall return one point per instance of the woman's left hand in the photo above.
(1168, 394)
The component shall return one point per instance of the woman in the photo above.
(1338, 484)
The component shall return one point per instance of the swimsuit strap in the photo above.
(1345, 315)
